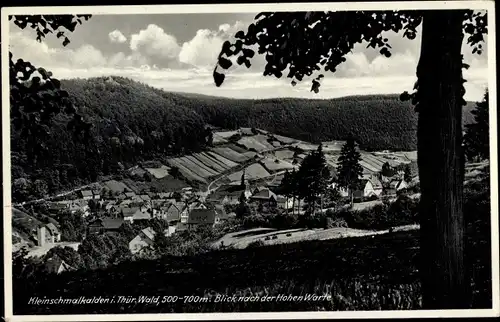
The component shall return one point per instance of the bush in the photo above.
(254, 221)
(336, 223)
(284, 221)
(256, 243)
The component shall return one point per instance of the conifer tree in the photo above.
(313, 177)
(349, 169)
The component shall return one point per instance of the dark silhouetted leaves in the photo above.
(218, 78)
(225, 63)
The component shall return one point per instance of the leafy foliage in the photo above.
(35, 95)
(477, 135)
(303, 44)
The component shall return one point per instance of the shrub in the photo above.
(256, 243)
(284, 221)
(254, 221)
(336, 223)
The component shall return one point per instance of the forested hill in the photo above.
(378, 121)
(134, 122)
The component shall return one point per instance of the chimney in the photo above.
(41, 235)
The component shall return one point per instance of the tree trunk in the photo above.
(441, 162)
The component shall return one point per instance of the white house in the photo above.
(48, 234)
(144, 239)
(87, 194)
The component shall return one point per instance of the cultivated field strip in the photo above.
(202, 166)
(205, 160)
(228, 163)
(186, 172)
(212, 160)
(231, 154)
(195, 168)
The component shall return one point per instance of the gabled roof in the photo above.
(86, 193)
(201, 216)
(108, 222)
(54, 263)
(221, 212)
(149, 233)
(129, 211)
(264, 194)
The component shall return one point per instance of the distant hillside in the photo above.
(378, 121)
(133, 122)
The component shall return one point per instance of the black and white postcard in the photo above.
(250, 161)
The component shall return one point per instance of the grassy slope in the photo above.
(367, 273)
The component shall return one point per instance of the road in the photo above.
(61, 194)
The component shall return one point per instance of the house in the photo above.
(145, 197)
(170, 212)
(86, 194)
(170, 231)
(58, 207)
(376, 186)
(129, 195)
(365, 189)
(96, 194)
(264, 197)
(105, 225)
(202, 217)
(56, 265)
(284, 202)
(220, 212)
(132, 214)
(165, 195)
(48, 234)
(394, 186)
(229, 194)
(144, 239)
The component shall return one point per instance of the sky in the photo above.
(177, 52)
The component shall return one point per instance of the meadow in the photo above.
(364, 273)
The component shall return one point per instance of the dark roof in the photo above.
(112, 223)
(264, 194)
(129, 211)
(86, 193)
(53, 263)
(227, 190)
(201, 216)
(107, 222)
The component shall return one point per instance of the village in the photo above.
(187, 194)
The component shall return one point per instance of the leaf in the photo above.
(405, 96)
(248, 52)
(225, 63)
(65, 42)
(240, 34)
(218, 78)
(60, 34)
(241, 60)
(315, 86)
